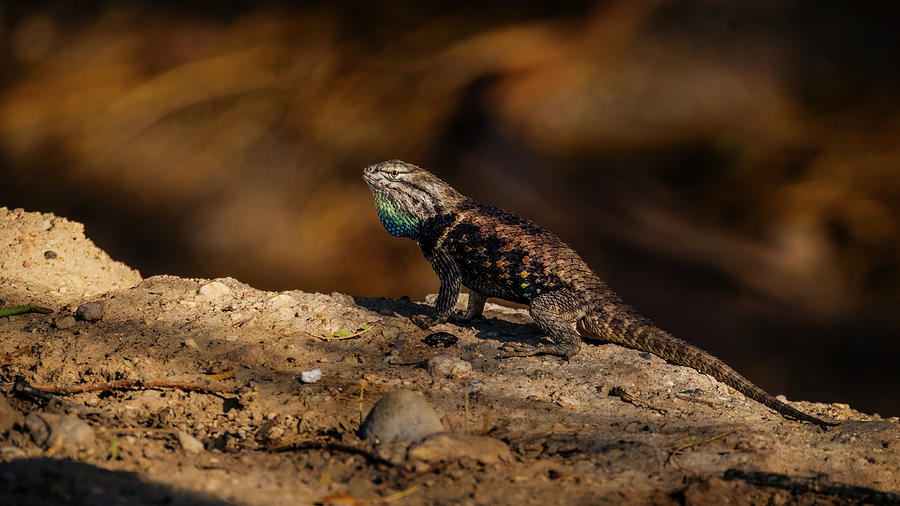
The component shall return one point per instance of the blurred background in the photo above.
(731, 168)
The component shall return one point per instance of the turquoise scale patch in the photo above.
(394, 219)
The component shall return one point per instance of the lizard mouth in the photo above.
(372, 176)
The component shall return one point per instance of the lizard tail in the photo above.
(625, 328)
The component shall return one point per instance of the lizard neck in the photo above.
(395, 219)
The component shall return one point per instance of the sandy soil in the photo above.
(226, 360)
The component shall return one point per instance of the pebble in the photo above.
(65, 322)
(446, 366)
(442, 339)
(12, 452)
(190, 343)
(47, 428)
(311, 376)
(38, 428)
(189, 442)
(568, 402)
(50, 255)
(214, 290)
(283, 299)
(91, 311)
(391, 333)
(401, 415)
(445, 447)
(276, 433)
(476, 386)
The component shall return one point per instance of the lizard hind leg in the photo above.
(475, 307)
(556, 313)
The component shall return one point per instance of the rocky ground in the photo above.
(196, 391)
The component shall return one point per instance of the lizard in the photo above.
(498, 254)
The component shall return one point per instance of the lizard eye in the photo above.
(392, 173)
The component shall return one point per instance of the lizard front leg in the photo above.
(451, 281)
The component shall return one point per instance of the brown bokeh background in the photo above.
(732, 168)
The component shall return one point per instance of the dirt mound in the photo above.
(192, 391)
(47, 260)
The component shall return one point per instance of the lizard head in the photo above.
(407, 195)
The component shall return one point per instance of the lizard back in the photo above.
(506, 256)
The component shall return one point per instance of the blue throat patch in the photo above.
(394, 219)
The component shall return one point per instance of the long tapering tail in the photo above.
(622, 326)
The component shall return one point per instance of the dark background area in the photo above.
(731, 168)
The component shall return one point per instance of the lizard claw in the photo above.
(460, 317)
(510, 350)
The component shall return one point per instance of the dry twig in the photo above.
(25, 387)
(698, 443)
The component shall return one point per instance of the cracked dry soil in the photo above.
(601, 428)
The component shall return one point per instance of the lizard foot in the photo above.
(460, 317)
(426, 321)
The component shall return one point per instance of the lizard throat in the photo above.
(396, 221)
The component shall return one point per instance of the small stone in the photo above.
(401, 415)
(214, 290)
(38, 428)
(276, 433)
(190, 343)
(390, 333)
(440, 339)
(50, 255)
(11, 452)
(445, 447)
(64, 322)
(311, 376)
(189, 442)
(568, 402)
(49, 429)
(446, 366)
(91, 400)
(475, 386)
(91, 311)
(283, 300)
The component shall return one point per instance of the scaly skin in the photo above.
(497, 254)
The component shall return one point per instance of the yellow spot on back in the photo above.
(524, 273)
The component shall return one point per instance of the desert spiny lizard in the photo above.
(498, 254)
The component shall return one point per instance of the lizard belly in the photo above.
(500, 291)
